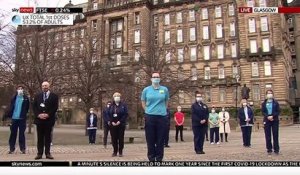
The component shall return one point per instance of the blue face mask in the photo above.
(155, 80)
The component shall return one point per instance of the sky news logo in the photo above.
(23, 10)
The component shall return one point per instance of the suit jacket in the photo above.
(199, 112)
(242, 116)
(50, 108)
(94, 124)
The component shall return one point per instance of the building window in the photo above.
(137, 55)
(155, 2)
(168, 57)
(73, 33)
(207, 95)
(193, 53)
(81, 48)
(119, 42)
(73, 47)
(206, 50)
(235, 71)
(155, 38)
(269, 86)
(167, 19)
(119, 59)
(262, 3)
(179, 36)
(264, 24)
(250, 3)
(180, 55)
(192, 34)
(204, 12)
(192, 15)
(155, 20)
(167, 37)
(165, 1)
(231, 10)
(255, 69)
(266, 45)
(120, 25)
(137, 17)
(222, 94)
(256, 92)
(232, 28)
(94, 43)
(233, 50)
(137, 36)
(64, 51)
(252, 26)
(181, 97)
(81, 33)
(179, 17)
(194, 74)
(206, 73)
(221, 72)
(218, 12)
(219, 30)
(253, 46)
(220, 51)
(205, 32)
(267, 67)
(94, 24)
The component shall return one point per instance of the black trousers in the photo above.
(272, 128)
(246, 131)
(167, 135)
(214, 133)
(117, 138)
(92, 135)
(179, 129)
(44, 138)
(21, 126)
(105, 133)
(199, 136)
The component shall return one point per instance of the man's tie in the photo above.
(45, 96)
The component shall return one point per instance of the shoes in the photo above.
(212, 143)
(114, 155)
(269, 152)
(218, 143)
(167, 146)
(49, 156)
(182, 140)
(276, 153)
(37, 157)
(23, 152)
(10, 152)
(207, 140)
(120, 155)
(200, 152)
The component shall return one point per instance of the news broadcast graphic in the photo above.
(57, 10)
(43, 19)
(269, 9)
(151, 164)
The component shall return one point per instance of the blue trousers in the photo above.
(155, 129)
(246, 131)
(21, 126)
(92, 135)
(272, 128)
(199, 136)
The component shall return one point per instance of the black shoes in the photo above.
(114, 155)
(167, 146)
(49, 156)
(23, 152)
(200, 152)
(37, 157)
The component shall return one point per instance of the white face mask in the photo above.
(244, 104)
(108, 106)
(91, 112)
(269, 96)
(223, 110)
(179, 110)
(117, 99)
(213, 111)
(20, 91)
(199, 99)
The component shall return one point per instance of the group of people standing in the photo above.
(157, 117)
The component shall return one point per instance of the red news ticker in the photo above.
(26, 9)
(269, 9)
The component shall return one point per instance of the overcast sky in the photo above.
(7, 5)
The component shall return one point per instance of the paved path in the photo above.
(233, 150)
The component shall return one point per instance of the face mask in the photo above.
(199, 99)
(213, 111)
(269, 96)
(91, 112)
(223, 110)
(155, 80)
(108, 106)
(244, 104)
(117, 99)
(179, 110)
(20, 92)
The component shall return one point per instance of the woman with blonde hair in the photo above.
(118, 114)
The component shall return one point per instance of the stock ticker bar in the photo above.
(151, 164)
(57, 10)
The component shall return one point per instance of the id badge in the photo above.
(42, 105)
(115, 115)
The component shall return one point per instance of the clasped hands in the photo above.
(43, 116)
(115, 123)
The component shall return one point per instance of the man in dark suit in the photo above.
(45, 105)
(91, 120)
(106, 123)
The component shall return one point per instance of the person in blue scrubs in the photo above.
(155, 102)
